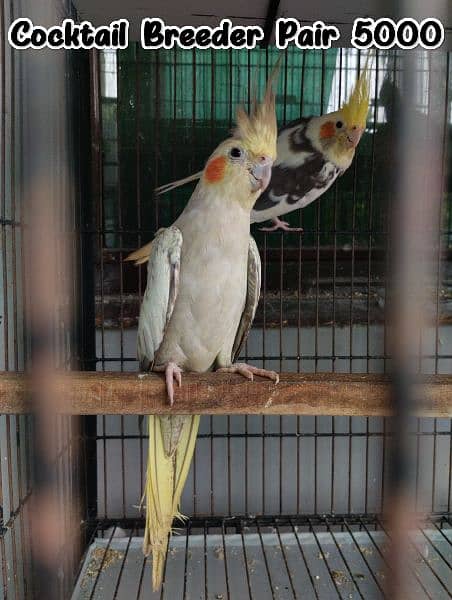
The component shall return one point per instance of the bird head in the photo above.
(338, 133)
(240, 167)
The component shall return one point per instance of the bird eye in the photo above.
(236, 153)
(339, 124)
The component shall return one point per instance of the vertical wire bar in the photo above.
(341, 554)
(264, 330)
(449, 228)
(303, 557)
(317, 295)
(386, 287)
(264, 342)
(438, 274)
(123, 562)
(212, 462)
(265, 560)
(286, 64)
(102, 562)
(22, 497)
(96, 95)
(369, 263)
(25, 421)
(12, 110)
(449, 485)
(87, 219)
(226, 570)
(121, 102)
(11, 503)
(157, 135)
(4, 263)
(299, 299)
(228, 418)
(142, 572)
(281, 293)
(138, 145)
(323, 555)
(333, 325)
(363, 556)
(174, 129)
(206, 582)
(2, 539)
(245, 558)
(5, 319)
(247, 354)
(193, 131)
(352, 288)
(162, 589)
(286, 564)
(187, 537)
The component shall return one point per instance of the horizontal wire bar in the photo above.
(290, 357)
(335, 434)
(242, 521)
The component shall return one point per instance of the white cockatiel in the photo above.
(201, 296)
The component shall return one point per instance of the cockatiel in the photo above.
(202, 293)
(312, 152)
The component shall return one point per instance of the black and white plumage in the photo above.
(301, 173)
(312, 153)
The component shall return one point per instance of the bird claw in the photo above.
(172, 372)
(281, 226)
(248, 371)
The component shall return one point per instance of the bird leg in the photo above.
(249, 371)
(172, 371)
(281, 225)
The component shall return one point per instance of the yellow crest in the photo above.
(356, 108)
(259, 131)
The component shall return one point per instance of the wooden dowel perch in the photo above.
(88, 393)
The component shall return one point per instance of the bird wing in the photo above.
(252, 298)
(161, 293)
(300, 174)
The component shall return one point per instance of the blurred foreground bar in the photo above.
(88, 393)
(415, 244)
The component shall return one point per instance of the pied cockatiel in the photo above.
(311, 153)
(202, 292)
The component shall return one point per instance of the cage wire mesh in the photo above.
(317, 483)
(39, 159)
(323, 296)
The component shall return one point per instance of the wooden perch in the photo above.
(89, 393)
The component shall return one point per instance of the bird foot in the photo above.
(249, 371)
(172, 372)
(281, 226)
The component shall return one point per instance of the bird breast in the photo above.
(211, 297)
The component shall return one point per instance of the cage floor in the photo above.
(323, 559)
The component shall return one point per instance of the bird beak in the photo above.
(353, 136)
(261, 173)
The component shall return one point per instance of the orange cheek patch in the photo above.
(327, 130)
(215, 169)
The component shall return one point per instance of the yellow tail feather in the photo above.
(171, 445)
